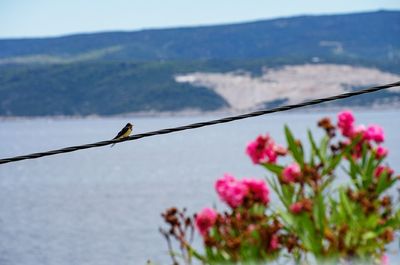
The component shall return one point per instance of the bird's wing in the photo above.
(122, 132)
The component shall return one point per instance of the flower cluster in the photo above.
(258, 191)
(302, 205)
(234, 192)
(291, 173)
(346, 123)
(367, 135)
(264, 150)
(246, 226)
(205, 219)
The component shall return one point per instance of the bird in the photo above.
(125, 132)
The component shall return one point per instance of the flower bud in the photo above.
(296, 207)
(205, 219)
(291, 173)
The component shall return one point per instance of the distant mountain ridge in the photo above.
(357, 36)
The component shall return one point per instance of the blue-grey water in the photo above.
(102, 206)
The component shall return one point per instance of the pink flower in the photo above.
(280, 150)
(384, 260)
(296, 207)
(381, 152)
(359, 130)
(256, 149)
(375, 133)
(380, 170)
(231, 190)
(273, 244)
(205, 219)
(258, 188)
(291, 173)
(345, 122)
(251, 228)
(263, 150)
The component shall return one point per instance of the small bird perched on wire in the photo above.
(125, 132)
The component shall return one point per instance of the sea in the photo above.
(102, 206)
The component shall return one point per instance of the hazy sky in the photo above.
(26, 18)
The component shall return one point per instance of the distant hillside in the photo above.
(372, 36)
(153, 70)
(293, 84)
(107, 88)
(104, 89)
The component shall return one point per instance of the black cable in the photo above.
(200, 124)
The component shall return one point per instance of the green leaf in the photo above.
(369, 235)
(274, 168)
(324, 147)
(345, 203)
(314, 147)
(372, 221)
(326, 183)
(296, 151)
(354, 171)
(308, 234)
(369, 170)
(288, 219)
(384, 182)
(276, 187)
(319, 212)
(364, 155)
(288, 193)
(334, 162)
(335, 211)
(352, 175)
(312, 158)
(348, 239)
(194, 253)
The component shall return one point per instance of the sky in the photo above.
(40, 18)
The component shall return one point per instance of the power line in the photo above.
(200, 124)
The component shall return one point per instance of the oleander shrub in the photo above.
(334, 203)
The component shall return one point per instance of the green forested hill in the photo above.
(107, 88)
